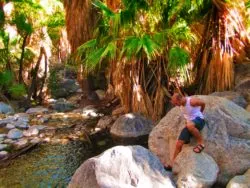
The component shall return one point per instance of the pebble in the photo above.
(10, 126)
(3, 146)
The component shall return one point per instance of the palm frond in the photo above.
(106, 11)
(93, 59)
(151, 48)
(132, 45)
(178, 59)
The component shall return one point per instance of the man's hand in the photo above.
(198, 102)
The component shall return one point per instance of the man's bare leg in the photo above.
(178, 148)
(195, 132)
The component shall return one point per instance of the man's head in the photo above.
(177, 99)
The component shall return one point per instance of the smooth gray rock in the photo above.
(37, 110)
(8, 120)
(122, 167)
(3, 146)
(10, 126)
(195, 170)
(66, 87)
(242, 181)
(131, 125)
(63, 106)
(21, 124)
(15, 134)
(236, 97)
(5, 109)
(226, 135)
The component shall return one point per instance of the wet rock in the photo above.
(131, 126)
(236, 97)
(195, 170)
(242, 181)
(15, 134)
(226, 135)
(10, 126)
(5, 109)
(120, 167)
(37, 110)
(3, 146)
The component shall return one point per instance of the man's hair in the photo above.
(177, 96)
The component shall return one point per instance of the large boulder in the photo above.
(63, 106)
(131, 126)
(195, 170)
(242, 181)
(226, 134)
(122, 167)
(66, 87)
(5, 109)
(236, 97)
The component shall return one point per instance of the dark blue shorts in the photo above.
(186, 135)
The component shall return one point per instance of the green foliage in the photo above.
(178, 58)
(53, 80)
(178, 61)
(17, 91)
(8, 85)
(248, 4)
(22, 24)
(5, 78)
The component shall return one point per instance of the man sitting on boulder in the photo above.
(193, 113)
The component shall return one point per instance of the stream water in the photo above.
(49, 165)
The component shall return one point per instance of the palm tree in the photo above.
(226, 42)
(140, 50)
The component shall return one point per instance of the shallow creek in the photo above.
(50, 165)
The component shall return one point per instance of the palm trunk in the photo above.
(2, 17)
(20, 77)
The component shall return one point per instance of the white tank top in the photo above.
(191, 112)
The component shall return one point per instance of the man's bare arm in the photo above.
(198, 102)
